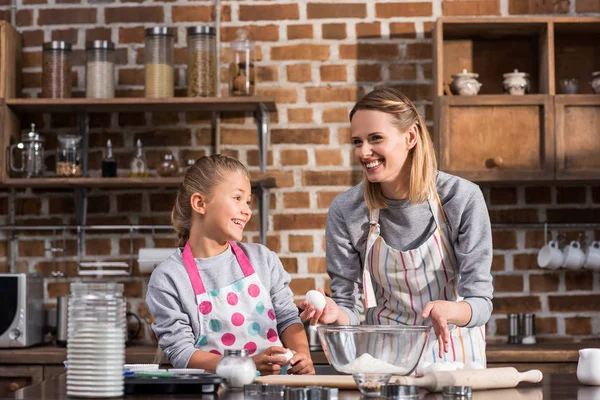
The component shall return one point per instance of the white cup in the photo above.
(592, 256)
(574, 257)
(550, 256)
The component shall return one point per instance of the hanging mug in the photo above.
(592, 255)
(574, 257)
(550, 256)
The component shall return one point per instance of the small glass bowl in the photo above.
(371, 385)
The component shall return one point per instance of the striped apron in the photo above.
(397, 285)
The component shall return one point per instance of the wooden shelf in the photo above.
(495, 99)
(174, 104)
(110, 183)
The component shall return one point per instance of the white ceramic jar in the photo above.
(516, 83)
(595, 83)
(588, 367)
(237, 368)
(465, 83)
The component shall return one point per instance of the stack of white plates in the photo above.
(96, 354)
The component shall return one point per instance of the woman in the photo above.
(414, 241)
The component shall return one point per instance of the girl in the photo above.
(415, 241)
(215, 293)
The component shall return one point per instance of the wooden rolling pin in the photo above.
(490, 378)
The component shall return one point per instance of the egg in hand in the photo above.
(316, 299)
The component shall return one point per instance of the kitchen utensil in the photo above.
(373, 348)
(513, 329)
(527, 328)
(371, 385)
(32, 154)
(491, 378)
(62, 310)
(588, 371)
(333, 381)
(401, 392)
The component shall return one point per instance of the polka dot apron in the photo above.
(238, 316)
(397, 285)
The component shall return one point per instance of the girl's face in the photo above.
(228, 208)
(380, 147)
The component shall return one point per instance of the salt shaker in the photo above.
(237, 368)
(528, 328)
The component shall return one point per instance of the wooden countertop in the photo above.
(545, 352)
(553, 387)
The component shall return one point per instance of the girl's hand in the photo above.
(328, 315)
(268, 361)
(439, 311)
(301, 364)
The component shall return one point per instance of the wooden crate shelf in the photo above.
(542, 136)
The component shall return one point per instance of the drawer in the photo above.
(13, 378)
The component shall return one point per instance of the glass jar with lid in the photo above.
(100, 69)
(159, 54)
(168, 166)
(68, 156)
(237, 367)
(56, 70)
(201, 61)
(241, 66)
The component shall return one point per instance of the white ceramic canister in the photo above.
(516, 83)
(465, 83)
(588, 367)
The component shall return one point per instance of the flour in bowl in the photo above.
(369, 364)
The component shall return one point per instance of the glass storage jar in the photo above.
(237, 368)
(56, 70)
(100, 69)
(158, 55)
(241, 66)
(68, 156)
(201, 61)
(168, 166)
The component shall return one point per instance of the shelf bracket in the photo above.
(216, 131)
(263, 212)
(13, 237)
(80, 215)
(262, 121)
(83, 127)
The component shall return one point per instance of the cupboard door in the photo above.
(13, 378)
(577, 136)
(497, 138)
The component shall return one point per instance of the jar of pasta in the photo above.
(100, 69)
(56, 70)
(201, 61)
(159, 56)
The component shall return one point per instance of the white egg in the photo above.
(288, 356)
(316, 299)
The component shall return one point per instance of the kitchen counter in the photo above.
(553, 387)
(545, 352)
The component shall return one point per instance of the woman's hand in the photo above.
(301, 364)
(439, 311)
(328, 315)
(268, 361)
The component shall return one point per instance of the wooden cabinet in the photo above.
(498, 137)
(13, 378)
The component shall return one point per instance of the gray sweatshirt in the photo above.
(406, 226)
(172, 302)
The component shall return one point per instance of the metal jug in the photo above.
(32, 154)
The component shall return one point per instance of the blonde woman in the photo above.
(412, 242)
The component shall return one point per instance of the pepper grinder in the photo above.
(109, 164)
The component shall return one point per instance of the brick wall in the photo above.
(317, 58)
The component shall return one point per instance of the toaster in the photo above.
(21, 309)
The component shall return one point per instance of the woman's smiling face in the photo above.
(380, 147)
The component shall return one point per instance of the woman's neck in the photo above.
(203, 246)
(398, 188)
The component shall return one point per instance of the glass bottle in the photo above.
(68, 156)
(241, 66)
(109, 164)
(96, 333)
(159, 54)
(201, 61)
(168, 166)
(138, 164)
(100, 69)
(237, 368)
(56, 70)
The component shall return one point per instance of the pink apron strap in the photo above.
(247, 268)
(192, 270)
